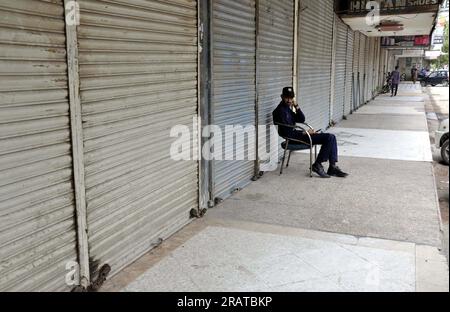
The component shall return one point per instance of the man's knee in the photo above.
(331, 137)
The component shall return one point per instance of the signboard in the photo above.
(421, 41)
(438, 40)
(413, 53)
(386, 5)
(442, 20)
(406, 41)
(432, 55)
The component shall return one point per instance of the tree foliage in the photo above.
(443, 59)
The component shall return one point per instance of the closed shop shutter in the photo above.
(234, 88)
(340, 64)
(37, 209)
(378, 64)
(367, 70)
(275, 58)
(393, 62)
(362, 68)
(356, 80)
(349, 73)
(384, 69)
(315, 60)
(370, 67)
(138, 74)
(373, 68)
(376, 67)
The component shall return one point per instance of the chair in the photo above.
(292, 145)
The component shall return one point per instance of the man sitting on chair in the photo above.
(284, 114)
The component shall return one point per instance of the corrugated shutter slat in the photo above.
(37, 209)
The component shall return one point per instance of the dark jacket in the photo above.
(395, 78)
(284, 115)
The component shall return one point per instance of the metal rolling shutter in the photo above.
(392, 61)
(356, 73)
(378, 64)
(362, 68)
(367, 62)
(349, 73)
(382, 67)
(376, 67)
(340, 62)
(315, 60)
(138, 74)
(370, 65)
(384, 70)
(234, 86)
(37, 210)
(275, 57)
(388, 61)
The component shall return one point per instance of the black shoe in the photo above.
(318, 168)
(335, 171)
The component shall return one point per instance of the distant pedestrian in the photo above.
(414, 74)
(395, 81)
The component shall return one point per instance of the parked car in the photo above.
(439, 77)
(442, 139)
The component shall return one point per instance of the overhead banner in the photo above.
(406, 41)
(385, 5)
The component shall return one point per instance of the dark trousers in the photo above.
(394, 89)
(329, 150)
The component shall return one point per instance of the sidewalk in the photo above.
(378, 230)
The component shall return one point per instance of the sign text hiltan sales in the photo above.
(357, 5)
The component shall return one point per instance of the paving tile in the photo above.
(429, 253)
(391, 110)
(401, 262)
(166, 276)
(432, 275)
(314, 285)
(225, 278)
(384, 144)
(280, 270)
(333, 260)
(387, 244)
(371, 280)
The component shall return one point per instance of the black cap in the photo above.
(288, 92)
